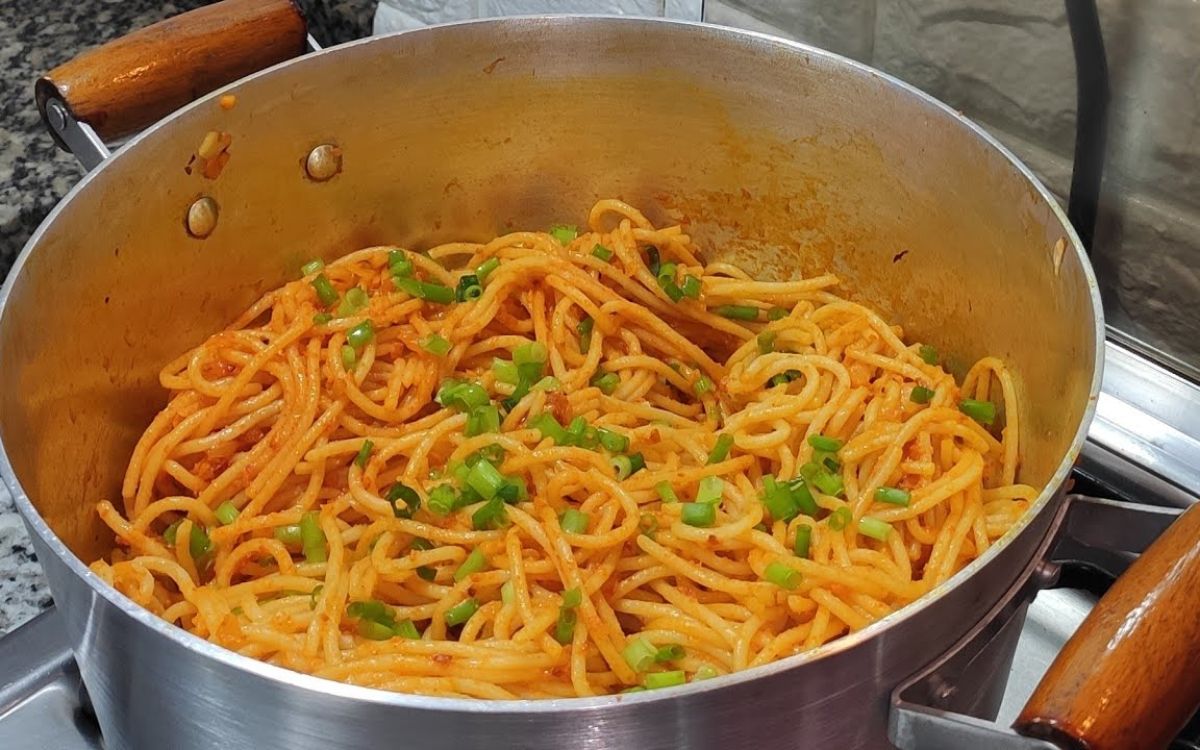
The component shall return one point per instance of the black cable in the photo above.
(1091, 116)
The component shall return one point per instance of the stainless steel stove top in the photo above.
(1144, 447)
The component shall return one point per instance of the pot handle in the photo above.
(129, 83)
(1129, 679)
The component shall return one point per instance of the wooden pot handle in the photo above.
(132, 82)
(1129, 679)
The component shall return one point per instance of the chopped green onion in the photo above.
(531, 353)
(548, 383)
(784, 377)
(702, 385)
(361, 334)
(442, 295)
(349, 357)
(512, 491)
(546, 424)
(399, 263)
(410, 497)
(983, 412)
(803, 497)
(690, 287)
(874, 528)
(505, 371)
(602, 252)
(324, 288)
(436, 345)
(576, 429)
(652, 260)
(461, 612)
(627, 466)
(311, 267)
(364, 453)
(777, 313)
(803, 540)
(425, 290)
(921, 395)
(406, 629)
(666, 281)
(572, 598)
(584, 329)
(830, 484)
(893, 495)
(839, 518)
(322, 318)
(607, 383)
(354, 301)
(461, 395)
(564, 628)
(669, 652)
(564, 233)
(639, 654)
(375, 631)
(468, 288)
(779, 500)
(312, 538)
(474, 563)
(822, 478)
(782, 576)
(288, 534)
(484, 269)
(666, 492)
(371, 609)
(827, 460)
(701, 515)
(199, 544)
(928, 354)
(666, 272)
(613, 442)
(226, 513)
(508, 592)
(720, 450)
(483, 419)
(314, 595)
(634, 689)
(656, 680)
(822, 443)
(441, 499)
(737, 312)
(622, 466)
(485, 479)
(710, 490)
(705, 672)
(573, 521)
(766, 342)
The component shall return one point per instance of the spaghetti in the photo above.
(577, 464)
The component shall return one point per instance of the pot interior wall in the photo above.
(783, 160)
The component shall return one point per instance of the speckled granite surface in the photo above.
(36, 35)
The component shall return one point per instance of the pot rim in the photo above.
(271, 672)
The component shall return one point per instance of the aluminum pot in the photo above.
(778, 156)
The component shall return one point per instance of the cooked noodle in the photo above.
(267, 425)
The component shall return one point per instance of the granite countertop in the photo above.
(34, 175)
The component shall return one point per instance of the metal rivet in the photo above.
(323, 162)
(58, 115)
(1045, 575)
(202, 217)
